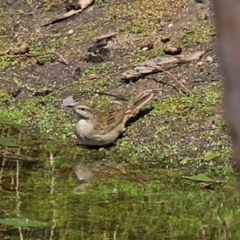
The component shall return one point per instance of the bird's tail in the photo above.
(143, 98)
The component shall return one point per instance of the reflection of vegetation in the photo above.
(18, 222)
(5, 142)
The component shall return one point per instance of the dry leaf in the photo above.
(205, 185)
(83, 3)
(62, 17)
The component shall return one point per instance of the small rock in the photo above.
(172, 50)
(184, 81)
(24, 48)
(209, 59)
(147, 46)
(70, 32)
(199, 64)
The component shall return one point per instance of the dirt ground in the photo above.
(42, 72)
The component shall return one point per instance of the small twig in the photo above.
(63, 60)
(119, 97)
(62, 17)
(172, 76)
(106, 36)
(23, 55)
(160, 81)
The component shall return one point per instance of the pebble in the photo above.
(209, 59)
(70, 32)
(172, 50)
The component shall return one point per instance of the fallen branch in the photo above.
(62, 17)
(146, 68)
(83, 4)
(106, 36)
(63, 60)
(173, 77)
(158, 65)
(23, 55)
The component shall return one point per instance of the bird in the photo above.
(102, 128)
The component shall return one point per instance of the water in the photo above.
(86, 194)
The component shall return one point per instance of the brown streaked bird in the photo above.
(102, 128)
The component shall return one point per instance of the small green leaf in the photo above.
(211, 155)
(187, 159)
(5, 142)
(18, 222)
(201, 177)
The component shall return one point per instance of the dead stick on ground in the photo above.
(63, 60)
(106, 36)
(62, 17)
(23, 55)
(172, 76)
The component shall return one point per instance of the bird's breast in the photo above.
(83, 129)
